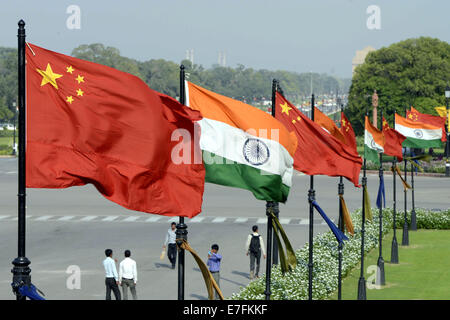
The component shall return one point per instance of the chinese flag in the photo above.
(318, 152)
(88, 123)
(325, 122)
(347, 131)
(438, 121)
(394, 140)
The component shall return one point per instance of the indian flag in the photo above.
(373, 142)
(243, 146)
(418, 134)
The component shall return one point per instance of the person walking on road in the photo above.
(253, 247)
(128, 276)
(111, 276)
(214, 260)
(170, 240)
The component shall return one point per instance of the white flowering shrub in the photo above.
(294, 285)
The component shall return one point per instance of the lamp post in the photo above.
(14, 137)
(447, 146)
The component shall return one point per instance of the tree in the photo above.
(413, 72)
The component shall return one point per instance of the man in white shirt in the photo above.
(254, 246)
(128, 276)
(111, 276)
(170, 239)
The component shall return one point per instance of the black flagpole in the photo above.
(270, 205)
(341, 227)
(413, 226)
(21, 271)
(311, 198)
(380, 280)
(405, 237)
(275, 88)
(362, 281)
(394, 246)
(181, 232)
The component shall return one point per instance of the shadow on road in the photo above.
(225, 279)
(199, 297)
(242, 274)
(163, 265)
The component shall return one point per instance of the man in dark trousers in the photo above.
(214, 259)
(111, 276)
(253, 247)
(170, 240)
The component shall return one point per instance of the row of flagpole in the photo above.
(21, 271)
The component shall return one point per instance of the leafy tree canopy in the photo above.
(413, 72)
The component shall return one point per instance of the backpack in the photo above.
(255, 245)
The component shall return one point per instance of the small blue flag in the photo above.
(340, 236)
(381, 194)
(30, 292)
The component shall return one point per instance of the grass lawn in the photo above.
(423, 271)
(7, 140)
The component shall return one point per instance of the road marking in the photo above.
(11, 172)
(174, 219)
(304, 222)
(131, 219)
(285, 220)
(197, 219)
(261, 220)
(4, 217)
(110, 218)
(66, 218)
(88, 218)
(218, 219)
(241, 220)
(43, 218)
(153, 219)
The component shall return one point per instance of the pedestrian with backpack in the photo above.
(253, 247)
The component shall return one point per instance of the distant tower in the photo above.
(222, 59)
(190, 55)
(360, 57)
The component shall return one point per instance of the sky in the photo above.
(294, 35)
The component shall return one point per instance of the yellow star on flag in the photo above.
(293, 121)
(80, 92)
(410, 116)
(80, 79)
(285, 108)
(343, 122)
(48, 76)
(70, 69)
(69, 99)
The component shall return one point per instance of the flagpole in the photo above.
(380, 280)
(21, 271)
(362, 281)
(275, 88)
(341, 227)
(181, 232)
(311, 198)
(405, 236)
(270, 207)
(413, 226)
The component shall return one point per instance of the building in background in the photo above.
(360, 57)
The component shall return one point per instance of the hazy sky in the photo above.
(294, 35)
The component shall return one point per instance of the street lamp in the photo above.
(14, 139)
(447, 146)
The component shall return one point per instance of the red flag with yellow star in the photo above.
(88, 123)
(416, 116)
(318, 152)
(394, 140)
(347, 131)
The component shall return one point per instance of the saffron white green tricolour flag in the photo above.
(418, 134)
(243, 146)
(373, 142)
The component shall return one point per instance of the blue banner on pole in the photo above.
(381, 194)
(340, 236)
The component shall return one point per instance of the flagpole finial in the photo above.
(21, 23)
(182, 67)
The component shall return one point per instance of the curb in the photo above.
(420, 174)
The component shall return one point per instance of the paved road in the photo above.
(75, 225)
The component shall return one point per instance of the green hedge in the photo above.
(294, 285)
(7, 133)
